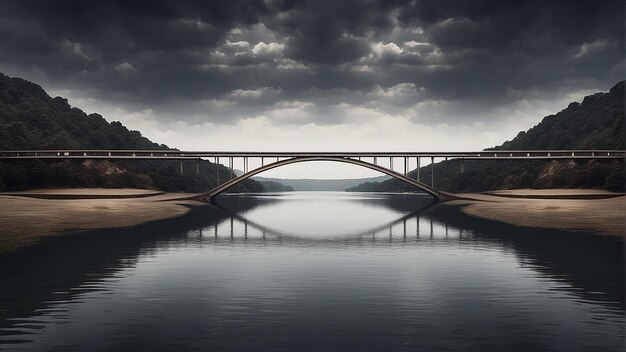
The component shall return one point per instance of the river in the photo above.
(329, 271)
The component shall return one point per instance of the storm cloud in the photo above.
(291, 62)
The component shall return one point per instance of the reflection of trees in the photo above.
(592, 264)
(56, 269)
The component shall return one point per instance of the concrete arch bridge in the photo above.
(379, 161)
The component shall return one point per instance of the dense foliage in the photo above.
(596, 123)
(30, 119)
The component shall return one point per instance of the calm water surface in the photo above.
(317, 271)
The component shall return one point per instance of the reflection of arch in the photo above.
(221, 188)
(270, 231)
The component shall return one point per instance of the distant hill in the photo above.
(595, 123)
(272, 186)
(321, 185)
(31, 119)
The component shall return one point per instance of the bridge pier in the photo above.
(417, 178)
(432, 171)
(217, 170)
(181, 167)
(230, 166)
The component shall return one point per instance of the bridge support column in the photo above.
(418, 169)
(230, 165)
(462, 165)
(405, 165)
(432, 171)
(181, 167)
(198, 167)
(217, 170)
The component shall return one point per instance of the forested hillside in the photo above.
(595, 123)
(30, 119)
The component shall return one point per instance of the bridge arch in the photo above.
(210, 195)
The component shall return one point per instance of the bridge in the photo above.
(378, 161)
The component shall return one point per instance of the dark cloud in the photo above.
(155, 53)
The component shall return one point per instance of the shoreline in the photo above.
(30, 216)
(600, 212)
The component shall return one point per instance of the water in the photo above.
(317, 271)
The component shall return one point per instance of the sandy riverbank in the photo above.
(26, 217)
(579, 210)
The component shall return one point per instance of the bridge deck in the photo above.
(194, 155)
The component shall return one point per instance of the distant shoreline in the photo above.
(26, 217)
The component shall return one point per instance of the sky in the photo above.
(283, 75)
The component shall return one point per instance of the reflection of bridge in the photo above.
(378, 161)
(405, 227)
